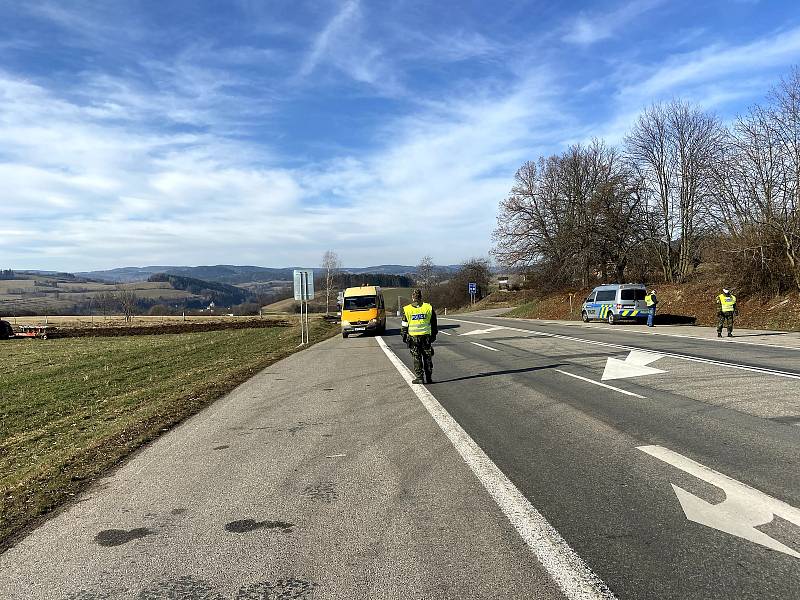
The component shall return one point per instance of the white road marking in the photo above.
(487, 347)
(481, 331)
(685, 335)
(445, 333)
(743, 509)
(576, 580)
(708, 361)
(634, 365)
(605, 385)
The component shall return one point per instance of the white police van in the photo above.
(616, 302)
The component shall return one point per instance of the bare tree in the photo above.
(785, 119)
(331, 266)
(128, 300)
(104, 301)
(758, 182)
(426, 275)
(673, 147)
(575, 216)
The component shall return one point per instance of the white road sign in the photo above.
(303, 276)
(743, 509)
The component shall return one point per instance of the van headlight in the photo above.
(345, 323)
(373, 321)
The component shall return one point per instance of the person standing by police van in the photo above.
(421, 329)
(726, 311)
(651, 301)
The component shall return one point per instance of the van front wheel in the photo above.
(584, 317)
(612, 320)
(344, 334)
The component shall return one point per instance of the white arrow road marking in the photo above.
(743, 509)
(482, 331)
(634, 365)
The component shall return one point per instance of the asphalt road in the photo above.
(520, 473)
(572, 447)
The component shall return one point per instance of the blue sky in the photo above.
(265, 132)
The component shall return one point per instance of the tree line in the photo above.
(682, 189)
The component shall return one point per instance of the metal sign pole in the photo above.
(305, 293)
(302, 303)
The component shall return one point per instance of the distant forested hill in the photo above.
(219, 293)
(236, 274)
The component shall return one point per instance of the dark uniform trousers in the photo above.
(725, 319)
(419, 345)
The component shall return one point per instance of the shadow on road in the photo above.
(668, 319)
(495, 373)
(741, 335)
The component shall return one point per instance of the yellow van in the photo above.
(363, 310)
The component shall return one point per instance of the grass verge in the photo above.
(70, 409)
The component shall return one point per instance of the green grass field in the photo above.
(72, 408)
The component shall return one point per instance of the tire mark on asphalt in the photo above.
(248, 525)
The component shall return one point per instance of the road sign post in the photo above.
(304, 291)
(473, 291)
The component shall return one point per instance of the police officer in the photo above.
(420, 330)
(651, 302)
(726, 310)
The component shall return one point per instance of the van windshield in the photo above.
(360, 302)
(632, 294)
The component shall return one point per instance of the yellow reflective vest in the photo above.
(727, 303)
(649, 300)
(418, 318)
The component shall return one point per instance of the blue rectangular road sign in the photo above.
(473, 288)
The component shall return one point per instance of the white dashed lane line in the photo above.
(605, 385)
(487, 347)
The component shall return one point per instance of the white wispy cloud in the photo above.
(715, 76)
(718, 61)
(588, 28)
(122, 192)
(343, 45)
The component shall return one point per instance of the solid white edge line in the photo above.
(444, 333)
(487, 347)
(573, 576)
(605, 385)
(708, 361)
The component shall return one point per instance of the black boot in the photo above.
(719, 334)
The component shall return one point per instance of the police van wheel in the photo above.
(612, 320)
(584, 317)
(344, 335)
